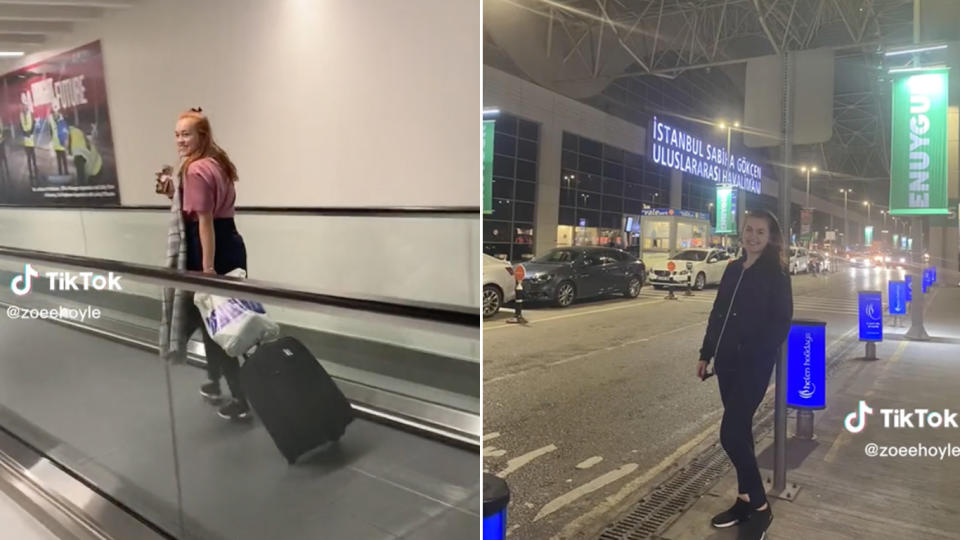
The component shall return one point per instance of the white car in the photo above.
(499, 285)
(708, 268)
(799, 260)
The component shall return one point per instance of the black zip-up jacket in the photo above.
(759, 319)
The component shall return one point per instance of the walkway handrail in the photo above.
(254, 289)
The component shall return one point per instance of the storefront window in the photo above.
(656, 234)
(508, 230)
(691, 235)
(599, 184)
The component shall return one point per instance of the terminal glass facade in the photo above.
(603, 190)
(508, 229)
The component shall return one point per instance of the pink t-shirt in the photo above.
(206, 188)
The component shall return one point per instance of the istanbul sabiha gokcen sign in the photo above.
(677, 149)
(918, 144)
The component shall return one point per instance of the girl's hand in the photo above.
(701, 369)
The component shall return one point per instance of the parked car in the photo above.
(499, 285)
(799, 259)
(566, 274)
(708, 267)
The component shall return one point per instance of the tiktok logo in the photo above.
(21, 284)
(860, 416)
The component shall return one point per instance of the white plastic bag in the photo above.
(236, 325)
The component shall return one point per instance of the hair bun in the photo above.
(197, 109)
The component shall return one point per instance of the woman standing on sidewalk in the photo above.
(749, 321)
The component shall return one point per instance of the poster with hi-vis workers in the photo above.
(55, 142)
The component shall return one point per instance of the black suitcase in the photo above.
(296, 400)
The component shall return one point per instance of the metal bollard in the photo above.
(670, 295)
(801, 384)
(519, 273)
(496, 496)
(805, 424)
(870, 315)
(689, 291)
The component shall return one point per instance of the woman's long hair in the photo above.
(775, 251)
(207, 147)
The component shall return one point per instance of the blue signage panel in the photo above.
(674, 148)
(871, 315)
(933, 274)
(909, 282)
(926, 280)
(806, 365)
(897, 296)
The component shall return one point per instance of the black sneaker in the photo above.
(755, 528)
(211, 391)
(738, 513)
(235, 410)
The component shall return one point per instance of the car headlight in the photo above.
(866, 262)
(541, 278)
(887, 259)
(903, 260)
(682, 273)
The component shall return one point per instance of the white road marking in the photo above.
(580, 491)
(569, 315)
(589, 462)
(491, 436)
(491, 451)
(569, 530)
(516, 463)
(589, 353)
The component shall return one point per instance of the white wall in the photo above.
(319, 102)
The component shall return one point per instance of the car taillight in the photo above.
(510, 270)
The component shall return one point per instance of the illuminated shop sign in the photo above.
(679, 150)
(672, 212)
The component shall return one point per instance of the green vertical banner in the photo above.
(726, 213)
(868, 235)
(918, 144)
(488, 166)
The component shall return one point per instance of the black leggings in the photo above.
(230, 254)
(741, 393)
(219, 364)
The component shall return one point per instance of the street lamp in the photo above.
(846, 226)
(808, 170)
(867, 204)
(729, 128)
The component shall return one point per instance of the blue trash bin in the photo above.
(496, 496)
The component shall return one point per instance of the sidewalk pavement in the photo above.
(843, 493)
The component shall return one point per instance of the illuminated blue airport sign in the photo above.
(677, 149)
(933, 275)
(806, 365)
(927, 279)
(897, 296)
(909, 282)
(870, 310)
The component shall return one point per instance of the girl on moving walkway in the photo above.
(749, 321)
(205, 195)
